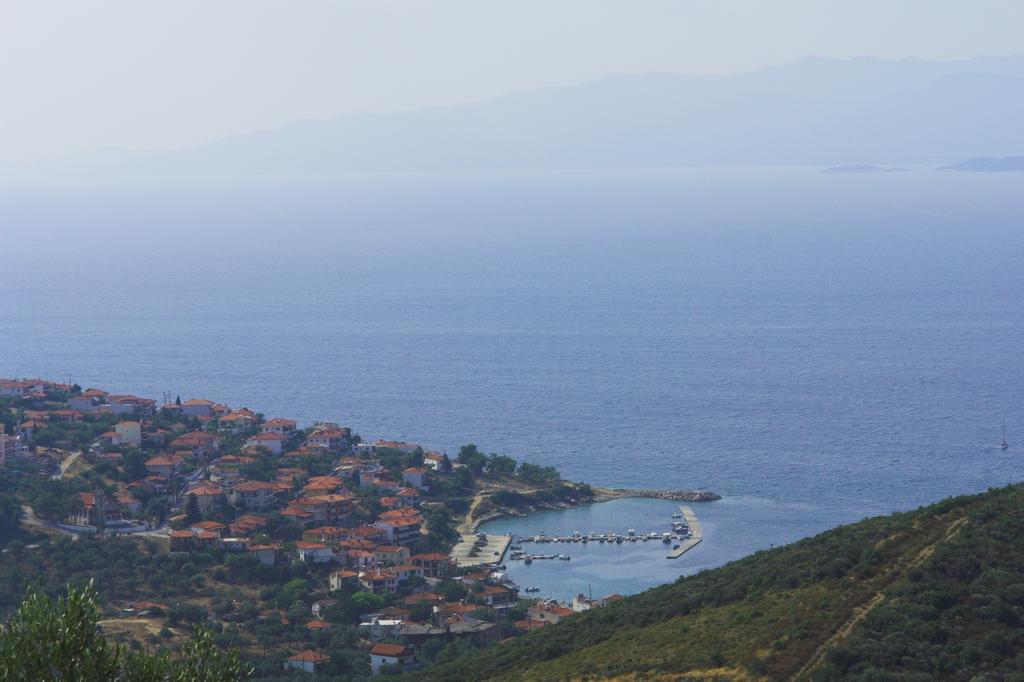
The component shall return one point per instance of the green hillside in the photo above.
(937, 593)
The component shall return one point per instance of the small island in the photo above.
(988, 165)
(861, 168)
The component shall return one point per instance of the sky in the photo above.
(79, 76)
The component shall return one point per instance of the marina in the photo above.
(685, 534)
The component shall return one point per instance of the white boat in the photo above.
(1003, 444)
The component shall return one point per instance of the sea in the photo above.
(816, 348)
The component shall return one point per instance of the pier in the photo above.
(475, 550)
(696, 535)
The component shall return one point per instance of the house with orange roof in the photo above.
(416, 477)
(239, 420)
(207, 494)
(306, 661)
(214, 527)
(316, 552)
(401, 531)
(391, 555)
(379, 581)
(360, 559)
(397, 655)
(317, 625)
(409, 497)
(246, 525)
(318, 485)
(253, 494)
(197, 407)
(282, 427)
(272, 442)
(434, 460)
(326, 509)
(325, 534)
(165, 466)
(388, 502)
(89, 513)
(340, 578)
(548, 612)
(265, 554)
(129, 404)
(331, 437)
(432, 564)
(199, 444)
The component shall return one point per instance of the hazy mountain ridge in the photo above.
(816, 111)
(989, 165)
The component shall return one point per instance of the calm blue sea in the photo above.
(816, 348)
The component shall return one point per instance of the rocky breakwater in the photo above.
(673, 495)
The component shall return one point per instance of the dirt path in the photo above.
(861, 612)
(466, 527)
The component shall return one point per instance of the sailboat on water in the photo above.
(1003, 445)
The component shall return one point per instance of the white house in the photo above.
(315, 552)
(129, 433)
(306, 661)
(274, 442)
(416, 477)
(391, 654)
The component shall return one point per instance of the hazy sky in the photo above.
(78, 75)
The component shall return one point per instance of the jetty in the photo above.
(696, 535)
(480, 549)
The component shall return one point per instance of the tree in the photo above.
(134, 465)
(10, 516)
(192, 511)
(472, 458)
(56, 641)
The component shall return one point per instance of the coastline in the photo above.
(527, 503)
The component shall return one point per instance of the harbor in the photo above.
(685, 534)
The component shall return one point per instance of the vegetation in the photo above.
(933, 594)
(61, 640)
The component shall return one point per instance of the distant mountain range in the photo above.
(1006, 163)
(813, 112)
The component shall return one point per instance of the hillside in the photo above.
(937, 593)
(815, 111)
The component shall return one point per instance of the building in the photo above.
(402, 526)
(8, 447)
(265, 554)
(416, 477)
(129, 433)
(331, 437)
(306, 661)
(397, 655)
(253, 494)
(273, 442)
(164, 465)
(207, 495)
(198, 444)
(90, 512)
(197, 407)
(432, 565)
(315, 552)
(582, 602)
(391, 555)
(130, 405)
(342, 578)
(549, 612)
(281, 427)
